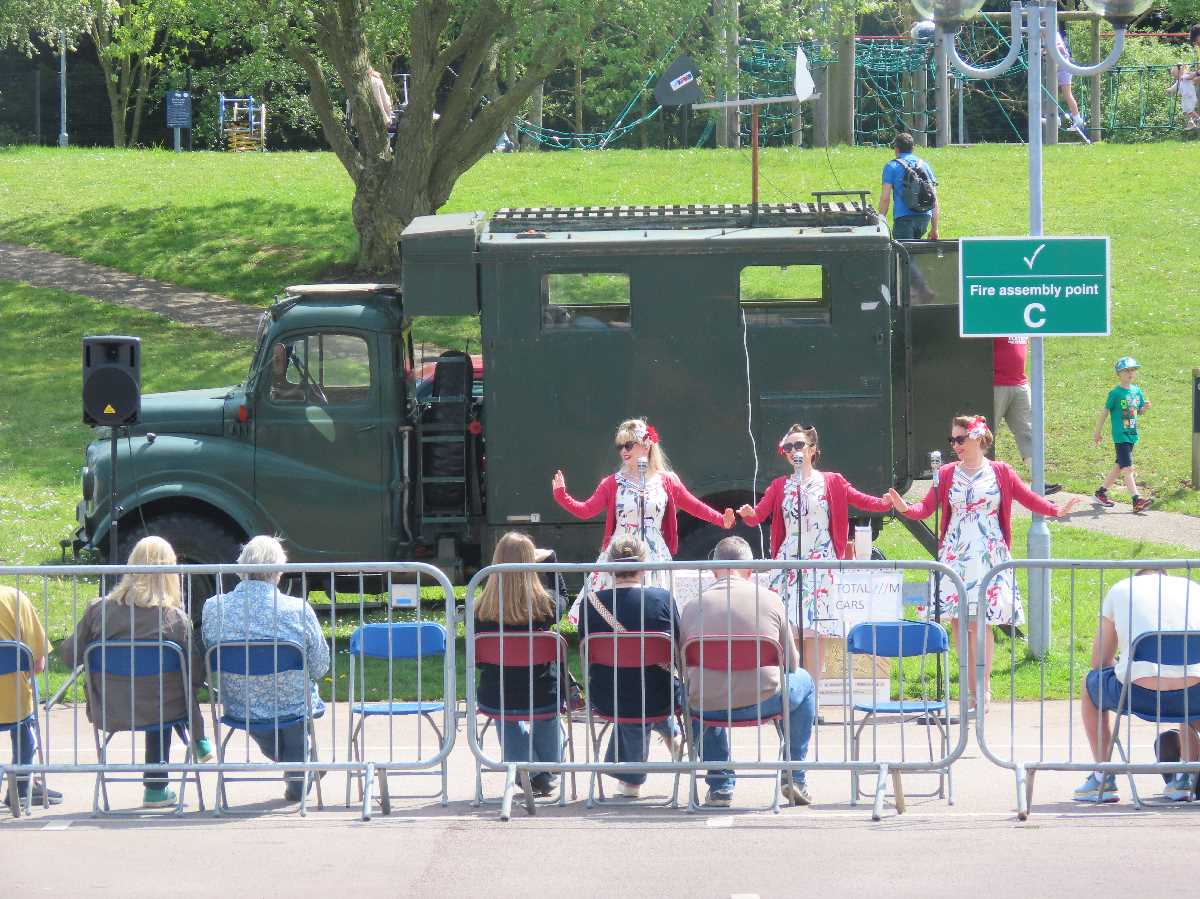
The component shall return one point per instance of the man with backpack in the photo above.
(909, 181)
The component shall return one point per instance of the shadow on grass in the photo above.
(245, 249)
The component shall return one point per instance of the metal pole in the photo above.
(943, 88)
(1196, 428)
(62, 89)
(962, 118)
(753, 163)
(1040, 21)
(178, 143)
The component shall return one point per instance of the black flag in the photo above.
(678, 86)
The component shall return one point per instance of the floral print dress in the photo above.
(974, 543)
(805, 510)
(628, 512)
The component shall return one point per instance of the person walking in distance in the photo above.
(1011, 400)
(1125, 404)
(910, 188)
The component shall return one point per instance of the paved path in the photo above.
(41, 268)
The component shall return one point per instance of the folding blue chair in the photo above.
(900, 640)
(137, 659)
(17, 658)
(266, 659)
(400, 640)
(727, 654)
(1158, 648)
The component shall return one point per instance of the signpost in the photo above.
(179, 113)
(1033, 286)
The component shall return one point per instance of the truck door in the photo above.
(818, 327)
(319, 454)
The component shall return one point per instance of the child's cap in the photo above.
(1126, 362)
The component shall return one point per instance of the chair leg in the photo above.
(184, 776)
(571, 756)
(14, 798)
(312, 756)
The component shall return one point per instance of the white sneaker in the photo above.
(628, 790)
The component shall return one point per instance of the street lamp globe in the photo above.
(1119, 12)
(955, 12)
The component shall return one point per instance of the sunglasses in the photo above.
(958, 441)
(796, 447)
(628, 445)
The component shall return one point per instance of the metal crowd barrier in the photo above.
(1167, 605)
(136, 679)
(536, 711)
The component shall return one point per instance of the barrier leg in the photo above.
(368, 782)
(385, 792)
(880, 792)
(506, 800)
(898, 788)
(14, 800)
(1029, 778)
(1137, 800)
(1022, 799)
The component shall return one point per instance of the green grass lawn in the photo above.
(246, 225)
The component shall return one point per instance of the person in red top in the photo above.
(649, 514)
(809, 520)
(975, 495)
(1011, 401)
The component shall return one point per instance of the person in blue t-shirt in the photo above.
(906, 223)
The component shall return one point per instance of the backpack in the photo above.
(917, 188)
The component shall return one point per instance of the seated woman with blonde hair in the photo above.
(143, 607)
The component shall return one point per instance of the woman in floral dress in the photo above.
(651, 517)
(975, 495)
(809, 520)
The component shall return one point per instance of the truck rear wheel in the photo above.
(702, 540)
(197, 540)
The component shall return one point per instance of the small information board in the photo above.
(1035, 286)
(179, 109)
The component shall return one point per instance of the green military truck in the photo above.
(721, 324)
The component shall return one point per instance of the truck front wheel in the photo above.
(197, 540)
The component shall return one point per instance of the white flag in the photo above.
(804, 81)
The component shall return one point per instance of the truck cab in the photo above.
(721, 324)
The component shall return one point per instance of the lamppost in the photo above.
(1036, 24)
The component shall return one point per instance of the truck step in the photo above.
(448, 480)
(443, 519)
(443, 438)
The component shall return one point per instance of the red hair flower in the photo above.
(978, 427)
(651, 434)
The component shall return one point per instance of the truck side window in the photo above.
(325, 369)
(588, 300)
(783, 294)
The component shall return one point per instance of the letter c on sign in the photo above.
(1029, 312)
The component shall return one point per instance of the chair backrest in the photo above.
(629, 649)
(15, 656)
(399, 640)
(134, 658)
(1167, 647)
(736, 652)
(518, 649)
(897, 639)
(255, 658)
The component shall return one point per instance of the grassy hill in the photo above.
(247, 225)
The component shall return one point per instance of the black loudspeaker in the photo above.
(112, 380)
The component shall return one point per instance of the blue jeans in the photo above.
(286, 745)
(911, 227)
(546, 741)
(802, 712)
(23, 749)
(630, 743)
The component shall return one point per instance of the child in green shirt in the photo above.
(1124, 405)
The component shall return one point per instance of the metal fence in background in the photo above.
(371, 655)
(530, 706)
(1151, 620)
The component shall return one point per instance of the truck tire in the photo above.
(197, 540)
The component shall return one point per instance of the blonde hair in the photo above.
(656, 461)
(626, 548)
(525, 599)
(809, 433)
(965, 422)
(149, 590)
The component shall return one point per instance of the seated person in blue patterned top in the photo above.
(256, 610)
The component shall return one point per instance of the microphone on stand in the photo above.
(641, 467)
(935, 464)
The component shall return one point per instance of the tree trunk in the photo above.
(579, 93)
(537, 106)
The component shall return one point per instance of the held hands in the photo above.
(729, 519)
(558, 482)
(745, 510)
(897, 501)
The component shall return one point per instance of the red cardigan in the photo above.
(839, 493)
(605, 497)
(1011, 487)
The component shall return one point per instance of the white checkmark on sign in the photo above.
(1029, 259)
